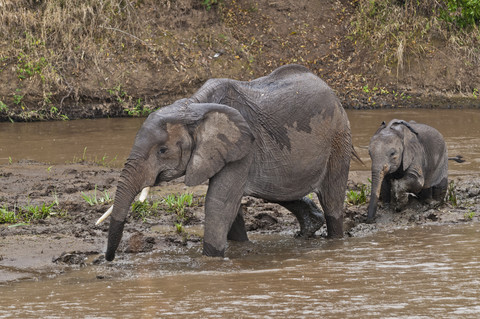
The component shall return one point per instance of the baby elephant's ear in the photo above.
(221, 135)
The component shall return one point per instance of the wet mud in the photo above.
(69, 239)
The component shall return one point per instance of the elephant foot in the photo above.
(309, 216)
(210, 251)
(310, 224)
(334, 227)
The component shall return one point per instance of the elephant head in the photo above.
(392, 149)
(192, 139)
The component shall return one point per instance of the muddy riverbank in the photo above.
(69, 239)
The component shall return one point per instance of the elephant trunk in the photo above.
(377, 180)
(129, 185)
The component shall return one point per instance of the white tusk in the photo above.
(142, 198)
(104, 216)
(144, 194)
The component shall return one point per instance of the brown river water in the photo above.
(425, 272)
(110, 140)
(421, 272)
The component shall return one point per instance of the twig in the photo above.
(135, 37)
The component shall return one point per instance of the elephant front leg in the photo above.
(309, 216)
(222, 205)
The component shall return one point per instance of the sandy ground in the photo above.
(70, 239)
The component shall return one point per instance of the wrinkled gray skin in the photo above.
(279, 137)
(407, 158)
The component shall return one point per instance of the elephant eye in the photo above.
(162, 150)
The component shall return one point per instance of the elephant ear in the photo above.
(411, 144)
(221, 135)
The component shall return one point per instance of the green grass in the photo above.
(95, 198)
(144, 210)
(452, 194)
(29, 213)
(469, 215)
(7, 216)
(358, 197)
(104, 161)
(401, 30)
(177, 203)
(173, 203)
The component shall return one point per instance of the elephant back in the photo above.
(436, 157)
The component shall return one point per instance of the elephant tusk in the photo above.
(144, 194)
(142, 198)
(104, 216)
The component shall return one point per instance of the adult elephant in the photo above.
(278, 137)
(408, 158)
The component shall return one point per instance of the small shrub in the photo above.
(463, 13)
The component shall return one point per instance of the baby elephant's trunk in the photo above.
(377, 180)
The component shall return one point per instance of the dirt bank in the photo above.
(128, 59)
(69, 238)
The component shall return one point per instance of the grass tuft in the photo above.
(358, 197)
(452, 194)
(94, 199)
(30, 213)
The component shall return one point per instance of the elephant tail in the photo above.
(355, 157)
(458, 159)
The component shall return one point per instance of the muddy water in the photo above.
(60, 142)
(109, 139)
(424, 272)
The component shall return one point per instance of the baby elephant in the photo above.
(408, 158)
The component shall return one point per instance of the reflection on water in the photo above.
(425, 272)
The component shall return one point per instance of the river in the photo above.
(424, 272)
(109, 140)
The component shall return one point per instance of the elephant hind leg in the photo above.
(237, 231)
(309, 216)
(332, 197)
